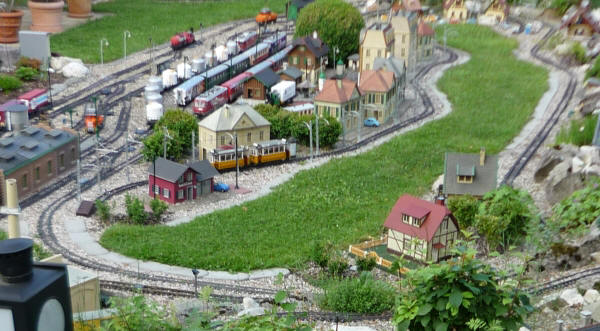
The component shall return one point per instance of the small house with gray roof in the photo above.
(309, 55)
(240, 119)
(473, 174)
(174, 182)
(258, 86)
(292, 74)
(36, 155)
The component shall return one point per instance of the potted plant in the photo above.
(10, 22)
(46, 15)
(80, 8)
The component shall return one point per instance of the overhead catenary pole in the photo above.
(78, 180)
(193, 146)
(309, 126)
(12, 203)
(237, 164)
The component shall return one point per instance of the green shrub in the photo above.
(103, 210)
(9, 83)
(337, 266)
(561, 6)
(594, 71)
(138, 313)
(158, 207)
(464, 208)
(320, 253)
(358, 295)
(579, 53)
(26, 73)
(366, 264)
(579, 132)
(29, 63)
(39, 252)
(3, 235)
(135, 210)
(578, 210)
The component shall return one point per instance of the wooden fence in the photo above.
(360, 250)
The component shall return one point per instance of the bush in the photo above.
(594, 71)
(320, 253)
(139, 313)
(135, 210)
(158, 207)
(103, 210)
(578, 210)
(29, 63)
(358, 295)
(464, 208)
(9, 83)
(337, 266)
(26, 73)
(579, 132)
(365, 264)
(579, 53)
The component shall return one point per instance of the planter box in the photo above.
(46, 16)
(10, 23)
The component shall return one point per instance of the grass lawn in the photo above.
(493, 96)
(149, 18)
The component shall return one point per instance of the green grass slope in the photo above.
(493, 95)
(149, 18)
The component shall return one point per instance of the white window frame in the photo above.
(166, 193)
(156, 189)
(179, 194)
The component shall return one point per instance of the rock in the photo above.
(591, 296)
(353, 268)
(57, 63)
(589, 154)
(561, 182)
(594, 308)
(548, 311)
(252, 312)
(592, 170)
(523, 329)
(571, 297)
(563, 49)
(576, 165)
(250, 303)
(550, 159)
(75, 69)
(596, 257)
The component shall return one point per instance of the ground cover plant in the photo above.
(146, 19)
(362, 294)
(493, 96)
(579, 131)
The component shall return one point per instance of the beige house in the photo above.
(421, 230)
(455, 11)
(402, 37)
(425, 37)
(496, 12)
(337, 99)
(379, 93)
(376, 41)
(579, 21)
(214, 130)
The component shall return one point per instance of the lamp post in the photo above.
(70, 111)
(126, 34)
(335, 51)
(195, 272)
(317, 123)
(309, 126)
(165, 136)
(237, 165)
(50, 71)
(103, 42)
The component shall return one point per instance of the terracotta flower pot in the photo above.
(10, 23)
(46, 16)
(80, 8)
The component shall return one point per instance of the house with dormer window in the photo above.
(421, 230)
(473, 174)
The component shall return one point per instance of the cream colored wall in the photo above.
(210, 140)
(457, 11)
(86, 296)
(396, 240)
(495, 13)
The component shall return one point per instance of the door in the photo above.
(190, 193)
(206, 186)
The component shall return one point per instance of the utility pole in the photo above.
(309, 126)
(193, 146)
(78, 180)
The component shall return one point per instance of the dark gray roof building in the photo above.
(314, 45)
(292, 72)
(171, 171)
(267, 77)
(473, 174)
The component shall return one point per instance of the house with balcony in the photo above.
(174, 182)
(421, 230)
(379, 91)
(337, 99)
(375, 42)
(473, 174)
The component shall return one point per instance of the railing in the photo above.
(360, 250)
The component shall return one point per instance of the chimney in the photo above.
(482, 156)
(226, 111)
(358, 83)
(440, 199)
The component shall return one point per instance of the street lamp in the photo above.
(103, 42)
(126, 34)
(317, 120)
(237, 165)
(309, 126)
(50, 71)
(335, 50)
(195, 272)
(70, 111)
(359, 115)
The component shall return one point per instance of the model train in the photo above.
(183, 39)
(35, 100)
(265, 152)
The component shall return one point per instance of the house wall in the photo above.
(424, 48)
(382, 102)
(456, 13)
(496, 13)
(580, 30)
(253, 89)
(335, 110)
(376, 43)
(446, 234)
(61, 160)
(303, 59)
(247, 135)
(286, 77)
(178, 192)
(400, 243)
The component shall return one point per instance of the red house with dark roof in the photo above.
(421, 230)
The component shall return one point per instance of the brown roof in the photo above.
(581, 15)
(315, 45)
(332, 93)
(424, 29)
(376, 81)
(407, 204)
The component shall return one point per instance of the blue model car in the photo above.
(371, 121)
(221, 187)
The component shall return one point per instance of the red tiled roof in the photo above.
(424, 29)
(583, 12)
(332, 93)
(416, 211)
(406, 203)
(376, 81)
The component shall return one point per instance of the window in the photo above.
(180, 194)
(50, 167)
(367, 66)
(190, 176)
(24, 181)
(261, 136)
(249, 137)
(405, 218)
(406, 245)
(308, 61)
(180, 180)
(403, 38)
(37, 173)
(416, 221)
(61, 160)
(156, 189)
(166, 193)
(302, 48)
(222, 140)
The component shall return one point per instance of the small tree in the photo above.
(103, 210)
(464, 208)
(135, 210)
(365, 264)
(320, 253)
(455, 293)
(158, 207)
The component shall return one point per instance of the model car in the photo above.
(221, 187)
(371, 121)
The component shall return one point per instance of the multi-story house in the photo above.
(379, 90)
(405, 37)
(376, 41)
(425, 36)
(243, 120)
(309, 55)
(421, 230)
(455, 11)
(337, 99)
